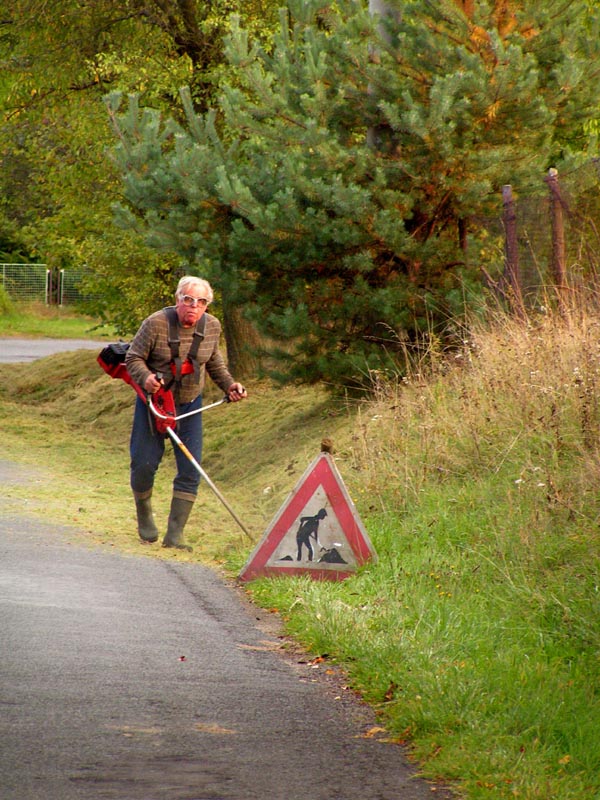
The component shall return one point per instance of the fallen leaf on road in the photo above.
(212, 727)
(373, 732)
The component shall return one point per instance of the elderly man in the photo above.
(174, 347)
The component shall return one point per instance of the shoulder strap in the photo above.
(196, 342)
(173, 339)
(198, 337)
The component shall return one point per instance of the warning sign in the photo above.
(316, 531)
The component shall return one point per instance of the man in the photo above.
(149, 362)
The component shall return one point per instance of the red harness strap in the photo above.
(187, 368)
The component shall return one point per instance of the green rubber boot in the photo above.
(147, 530)
(178, 516)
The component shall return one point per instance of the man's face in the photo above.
(190, 306)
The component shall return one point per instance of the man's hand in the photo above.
(236, 392)
(152, 384)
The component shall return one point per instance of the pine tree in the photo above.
(366, 149)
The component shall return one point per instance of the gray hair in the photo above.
(191, 282)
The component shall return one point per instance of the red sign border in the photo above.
(322, 472)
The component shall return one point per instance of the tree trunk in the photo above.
(512, 270)
(241, 341)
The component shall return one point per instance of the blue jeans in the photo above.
(147, 447)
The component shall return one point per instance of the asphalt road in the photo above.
(14, 351)
(135, 678)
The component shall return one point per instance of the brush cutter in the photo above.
(168, 418)
(168, 426)
(162, 407)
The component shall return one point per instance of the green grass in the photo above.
(476, 636)
(37, 319)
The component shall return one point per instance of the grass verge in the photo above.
(34, 319)
(476, 634)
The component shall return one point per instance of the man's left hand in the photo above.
(236, 392)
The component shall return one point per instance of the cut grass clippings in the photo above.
(476, 635)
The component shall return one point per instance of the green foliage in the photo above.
(158, 179)
(57, 186)
(361, 244)
(352, 163)
(7, 307)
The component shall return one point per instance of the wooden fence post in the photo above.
(512, 272)
(559, 269)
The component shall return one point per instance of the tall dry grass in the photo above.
(513, 395)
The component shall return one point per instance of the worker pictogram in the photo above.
(317, 531)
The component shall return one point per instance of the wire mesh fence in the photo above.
(71, 286)
(38, 283)
(26, 281)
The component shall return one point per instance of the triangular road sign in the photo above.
(317, 531)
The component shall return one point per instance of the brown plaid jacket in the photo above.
(149, 351)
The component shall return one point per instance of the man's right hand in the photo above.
(152, 384)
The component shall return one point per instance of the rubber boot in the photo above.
(147, 530)
(178, 516)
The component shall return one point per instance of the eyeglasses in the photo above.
(188, 300)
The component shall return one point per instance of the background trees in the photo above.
(328, 174)
(354, 158)
(57, 184)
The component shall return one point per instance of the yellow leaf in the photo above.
(373, 732)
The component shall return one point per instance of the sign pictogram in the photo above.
(317, 531)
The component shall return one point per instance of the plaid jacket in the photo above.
(149, 352)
